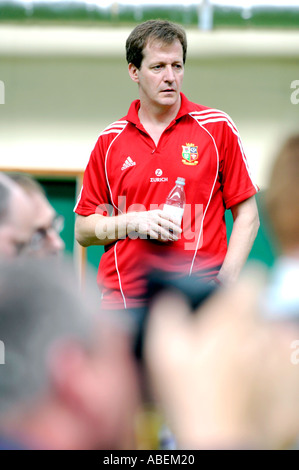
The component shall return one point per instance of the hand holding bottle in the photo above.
(154, 224)
(163, 225)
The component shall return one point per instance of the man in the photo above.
(46, 223)
(134, 165)
(16, 214)
(64, 384)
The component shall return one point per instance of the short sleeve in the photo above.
(236, 179)
(94, 195)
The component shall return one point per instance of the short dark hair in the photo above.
(160, 30)
(38, 308)
(27, 183)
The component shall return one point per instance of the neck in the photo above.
(158, 115)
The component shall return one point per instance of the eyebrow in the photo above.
(162, 62)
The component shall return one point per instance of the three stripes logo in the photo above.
(129, 162)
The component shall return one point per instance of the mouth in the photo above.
(168, 90)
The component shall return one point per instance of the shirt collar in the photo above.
(132, 116)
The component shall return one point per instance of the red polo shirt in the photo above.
(126, 169)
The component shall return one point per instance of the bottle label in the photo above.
(174, 211)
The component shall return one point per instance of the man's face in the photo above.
(104, 384)
(161, 74)
(48, 240)
(120, 396)
(16, 232)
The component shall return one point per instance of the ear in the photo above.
(68, 370)
(134, 72)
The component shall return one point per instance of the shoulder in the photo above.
(212, 117)
(109, 134)
(204, 114)
(115, 127)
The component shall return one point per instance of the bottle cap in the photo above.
(180, 181)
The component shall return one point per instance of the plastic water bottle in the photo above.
(176, 199)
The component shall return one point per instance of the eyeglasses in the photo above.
(41, 234)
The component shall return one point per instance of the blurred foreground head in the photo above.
(16, 214)
(47, 225)
(68, 381)
(282, 196)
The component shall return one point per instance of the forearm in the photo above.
(99, 230)
(96, 229)
(244, 232)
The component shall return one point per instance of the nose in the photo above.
(169, 74)
(55, 242)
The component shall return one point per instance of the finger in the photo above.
(165, 221)
(162, 233)
(171, 227)
(153, 235)
(171, 218)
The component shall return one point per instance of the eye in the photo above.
(38, 237)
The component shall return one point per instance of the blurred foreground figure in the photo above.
(46, 223)
(69, 381)
(227, 376)
(282, 204)
(283, 196)
(223, 375)
(16, 214)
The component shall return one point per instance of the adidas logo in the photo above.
(129, 162)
